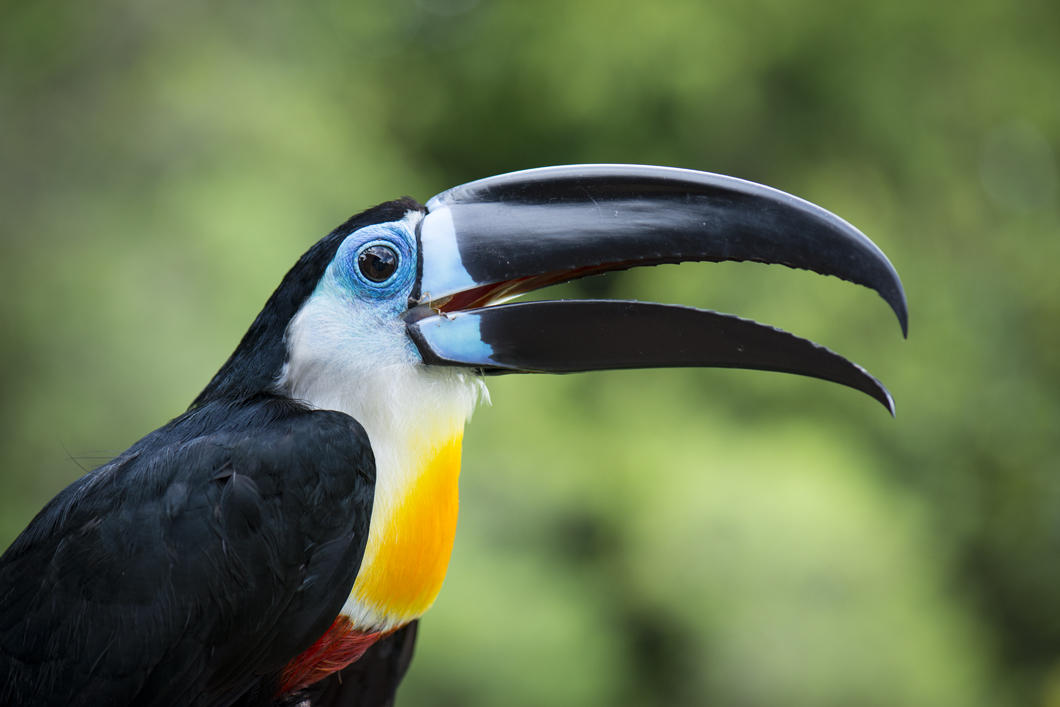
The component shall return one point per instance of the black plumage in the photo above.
(194, 566)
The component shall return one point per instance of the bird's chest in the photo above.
(410, 537)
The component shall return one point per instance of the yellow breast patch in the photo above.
(411, 540)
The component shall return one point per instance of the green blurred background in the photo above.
(636, 538)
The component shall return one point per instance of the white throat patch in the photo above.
(353, 356)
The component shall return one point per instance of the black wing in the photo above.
(193, 567)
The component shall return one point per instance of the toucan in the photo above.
(277, 543)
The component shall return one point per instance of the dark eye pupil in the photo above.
(377, 262)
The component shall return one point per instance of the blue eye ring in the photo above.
(378, 262)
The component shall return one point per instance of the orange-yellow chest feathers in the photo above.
(414, 417)
(410, 540)
(355, 356)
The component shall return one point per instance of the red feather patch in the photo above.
(340, 645)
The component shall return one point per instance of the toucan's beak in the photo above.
(490, 240)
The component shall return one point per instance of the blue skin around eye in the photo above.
(370, 307)
(457, 337)
(398, 286)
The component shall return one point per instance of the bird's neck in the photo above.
(411, 537)
(414, 417)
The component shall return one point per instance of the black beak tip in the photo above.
(888, 402)
(901, 309)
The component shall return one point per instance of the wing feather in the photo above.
(190, 569)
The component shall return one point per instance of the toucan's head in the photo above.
(410, 286)
(394, 317)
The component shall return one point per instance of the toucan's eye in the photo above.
(378, 262)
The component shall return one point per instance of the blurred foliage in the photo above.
(640, 538)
